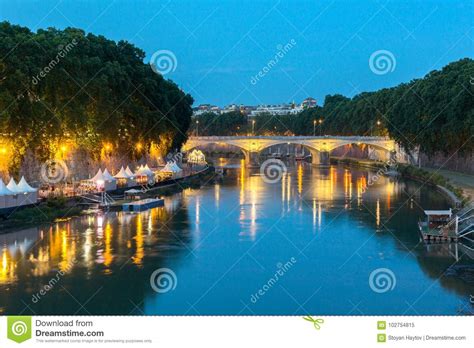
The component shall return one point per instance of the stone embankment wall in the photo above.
(78, 165)
(456, 163)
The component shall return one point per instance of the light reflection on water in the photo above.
(224, 240)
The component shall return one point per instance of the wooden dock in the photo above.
(442, 226)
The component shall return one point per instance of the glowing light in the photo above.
(377, 213)
(300, 178)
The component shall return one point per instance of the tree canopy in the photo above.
(435, 112)
(68, 86)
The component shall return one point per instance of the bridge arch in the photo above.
(381, 145)
(313, 150)
(190, 145)
(376, 151)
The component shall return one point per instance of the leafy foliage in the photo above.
(66, 85)
(435, 113)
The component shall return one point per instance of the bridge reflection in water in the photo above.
(224, 241)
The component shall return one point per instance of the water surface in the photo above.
(239, 245)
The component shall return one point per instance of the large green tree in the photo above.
(66, 85)
(435, 113)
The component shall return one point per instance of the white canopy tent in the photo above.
(171, 167)
(144, 175)
(17, 198)
(30, 193)
(129, 172)
(6, 196)
(176, 168)
(103, 182)
(197, 157)
(108, 176)
(124, 179)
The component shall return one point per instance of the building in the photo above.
(308, 103)
(203, 108)
(252, 111)
(277, 110)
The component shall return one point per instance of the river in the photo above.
(318, 241)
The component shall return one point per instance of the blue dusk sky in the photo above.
(221, 46)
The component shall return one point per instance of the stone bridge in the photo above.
(318, 146)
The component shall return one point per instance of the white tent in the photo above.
(171, 167)
(197, 157)
(98, 177)
(129, 172)
(6, 196)
(30, 193)
(103, 182)
(122, 174)
(124, 179)
(145, 175)
(17, 198)
(175, 167)
(107, 175)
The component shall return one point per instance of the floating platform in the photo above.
(143, 204)
(444, 226)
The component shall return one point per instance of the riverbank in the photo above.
(64, 208)
(452, 189)
(463, 180)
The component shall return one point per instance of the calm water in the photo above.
(307, 244)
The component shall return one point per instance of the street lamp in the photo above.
(197, 128)
(63, 151)
(253, 127)
(378, 123)
(320, 126)
(314, 128)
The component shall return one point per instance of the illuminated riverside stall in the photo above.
(197, 157)
(144, 175)
(124, 179)
(170, 170)
(102, 181)
(16, 195)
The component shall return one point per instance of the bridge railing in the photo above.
(302, 137)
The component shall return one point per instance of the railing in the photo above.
(466, 210)
(451, 226)
(302, 137)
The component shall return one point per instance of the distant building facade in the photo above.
(252, 111)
